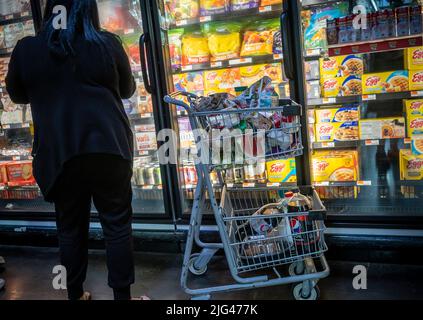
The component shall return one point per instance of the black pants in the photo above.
(105, 179)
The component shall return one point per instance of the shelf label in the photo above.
(143, 152)
(328, 100)
(240, 61)
(368, 97)
(312, 52)
(25, 14)
(364, 183)
(273, 184)
(372, 142)
(186, 68)
(407, 140)
(181, 23)
(328, 144)
(216, 64)
(205, 18)
(248, 185)
(230, 185)
(16, 158)
(265, 9)
(148, 187)
(189, 186)
(9, 17)
(160, 187)
(322, 184)
(417, 93)
(277, 56)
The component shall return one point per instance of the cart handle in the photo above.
(171, 98)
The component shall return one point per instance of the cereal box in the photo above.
(414, 125)
(416, 80)
(224, 80)
(392, 81)
(341, 86)
(337, 131)
(281, 170)
(383, 128)
(413, 58)
(411, 166)
(335, 165)
(20, 173)
(413, 107)
(341, 114)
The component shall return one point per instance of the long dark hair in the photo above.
(82, 20)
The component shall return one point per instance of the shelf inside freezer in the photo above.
(335, 144)
(262, 12)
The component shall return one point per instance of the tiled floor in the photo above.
(29, 275)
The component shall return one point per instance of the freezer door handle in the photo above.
(286, 42)
(144, 40)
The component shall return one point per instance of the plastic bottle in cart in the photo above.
(301, 226)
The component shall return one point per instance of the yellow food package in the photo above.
(341, 66)
(258, 38)
(195, 48)
(382, 128)
(224, 39)
(341, 86)
(411, 166)
(264, 3)
(337, 131)
(281, 170)
(340, 114)
(414, 125)
(416, 80)
(413, 58)
(329, 67)
(391, 81)
(417, 145)
(223, 80)
(209, 7)
(413, 107)
(252, 74)
(335, 165)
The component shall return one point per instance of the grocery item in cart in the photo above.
(182, 9)
(3, 173)
(415, 80)
(312, 70)
(391, 81)
(146, 141)
(335, 165)
(411, 166)
(224, 39)
(413, 58)
(244, 4)
(223, 80)
(283, 170)
(337, 131)
(258, 38)
(383, 128)
(340, 114)
(195, 48)
(329, 67)
(175, 47)
(209, 7)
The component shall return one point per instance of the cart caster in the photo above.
(193, 269)
(297, 292)
(296, 268)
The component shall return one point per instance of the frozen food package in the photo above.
(253, 73)
(391, 81)
(244, 4)
(350, 65)
(415, 80)
(224, 39)
(223, 80)
(337, 131)
(335, 166)
(382, 128)
(146, 141)
(341, 86)
(195, 48)
(20, 173)
(413, 107)
(28, 28)
(209, 7)
(403, 21)
(413, 58)
(411, 166)
(416, 22)
(258, 38)
(281, 171)
(182, 9)
(131, 45)
(417, 145)
(175, 47)
(340, 114)
(264, 3)
(115, 16)
(277, 42)
(190, 82)
(311, 69)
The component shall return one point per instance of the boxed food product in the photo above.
(209, 7)
(416, 23)
(383, 128)
(311, 133)
(269, 2)
(417, 145)
(182, 9)
(253, 73)
(195, 48)
(3, 173)
(20, 173)
(403, 21)
(258, 38)
(337, 192)
(413, 107)
(313, 89)
(413, 58)
(312, 70)
(131, 45)
(391, 81)
(175, 47)
(223, 80)
(329, 67)
(414, 125)
(415, 80)
(341, 86)
(411, 166)
(190, 82)
(335, 165)
(244, 4)
(337, 131)
(281, 170)
(146, 141)
(342, 66)
(224, 39)
(340, 114)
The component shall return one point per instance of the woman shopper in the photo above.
(74, 77)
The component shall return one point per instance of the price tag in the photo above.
(277, 56)
(160, 187)
(146, 115)
(148, 187)
(367, 97)
(273, 184)
(322, 184)
(205, 18)
(240, 61)
(9, 17)
(265, 9)
(187, 68)
(328, 100)
(16, 158)
(143, 152)
(128, 31)
(364, 183)
(328, 144)
(416, 93)
(189, 186)
(312, 52)
(181, 23)
(371, 142)
(248, 185)
(407, 140)
(216, 64)
(230, 185)
(25, 14)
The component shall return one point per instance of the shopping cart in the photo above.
(255, 259)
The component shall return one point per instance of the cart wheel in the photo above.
(193, 269)
(293, 269)
(297, 291)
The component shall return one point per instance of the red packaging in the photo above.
(20, 173)
(3, 173)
